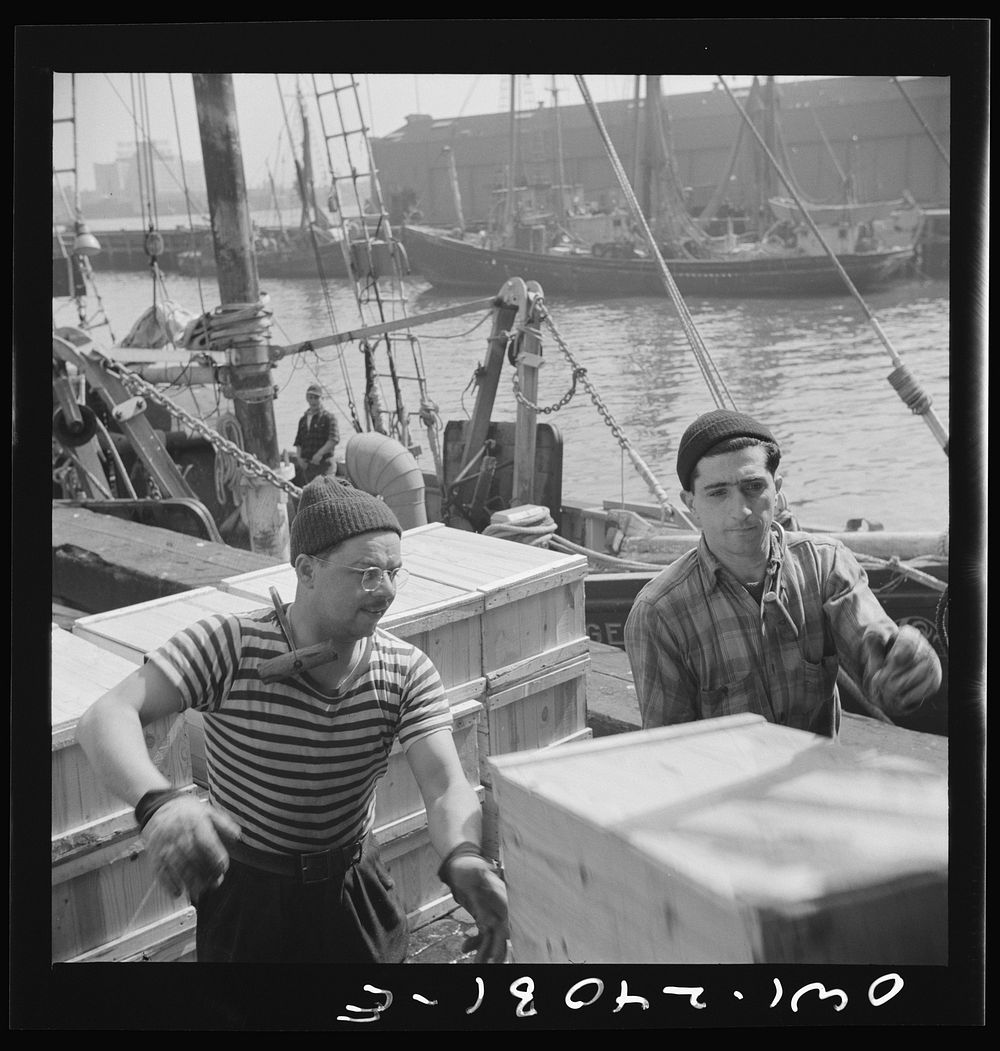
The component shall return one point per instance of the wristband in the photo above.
(152, 801)
(463, 849)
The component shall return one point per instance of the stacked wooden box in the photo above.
(534, 642)
(725, 841)
(107, 905)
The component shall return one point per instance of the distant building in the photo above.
(138, 177)
(861, 128)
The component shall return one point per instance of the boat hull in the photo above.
(449, 263)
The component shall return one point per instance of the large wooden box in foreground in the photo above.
(725, 841)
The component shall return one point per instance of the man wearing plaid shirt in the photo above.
(758, 618)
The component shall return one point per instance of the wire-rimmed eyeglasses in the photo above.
(372, 576)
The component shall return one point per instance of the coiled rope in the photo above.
(231, 326)
(534, 530)
(227, 470)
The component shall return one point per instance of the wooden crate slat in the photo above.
(169, 940)
(397, 793)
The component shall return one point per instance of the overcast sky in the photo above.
(107, 105)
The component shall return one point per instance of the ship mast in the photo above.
(249, 362)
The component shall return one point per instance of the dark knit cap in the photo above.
(707, 431)
(331, 510)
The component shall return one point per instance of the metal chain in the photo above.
(563, 401)
(250, 464)
(581, 373)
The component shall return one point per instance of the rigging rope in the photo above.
(187, 195)
(713, 378)
(923, 123)
(374, 256)
(900, 378)
(227, 472)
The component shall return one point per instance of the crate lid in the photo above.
(747, 810)
(81, 672)
(486, 563)
(146, 625)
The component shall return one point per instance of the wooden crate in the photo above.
(533, 598)
(397, 794)
(724, 841)
(105, 895)
(81, 673)
(535, 703)
(413, 862)
(134, 631)
(173, 940)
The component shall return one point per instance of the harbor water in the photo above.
(814, 369)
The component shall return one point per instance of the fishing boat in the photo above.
(304, 253)
(451, 263)
(560, 246)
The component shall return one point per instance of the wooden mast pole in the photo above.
(264, 505)
(528, 361)
(456, 193)
(637, 133)
(560, 165)
(508, 217)
(653, 160)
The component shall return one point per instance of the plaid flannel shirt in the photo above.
(701, 647)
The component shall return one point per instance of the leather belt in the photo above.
(315, 867)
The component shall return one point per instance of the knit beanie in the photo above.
(331, 510)
(707, 431)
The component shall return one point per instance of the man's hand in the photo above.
(906, 675)
(185, 841)
(475, 885)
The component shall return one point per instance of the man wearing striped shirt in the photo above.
(281, 863)
(757, 618)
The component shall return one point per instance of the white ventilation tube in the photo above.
(383, 467)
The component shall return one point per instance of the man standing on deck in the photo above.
(756, 618)
(281, 863)
(315, 439)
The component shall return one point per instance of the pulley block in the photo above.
(74, 434)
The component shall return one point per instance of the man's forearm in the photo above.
(112, 738)
(455, 817)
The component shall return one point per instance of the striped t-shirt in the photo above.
(296, 767)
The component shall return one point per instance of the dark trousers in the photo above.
(259, 917)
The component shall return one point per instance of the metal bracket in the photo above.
(126, 410)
